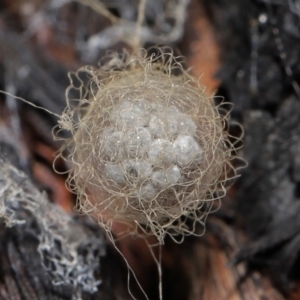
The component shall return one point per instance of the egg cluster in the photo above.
(147, 147)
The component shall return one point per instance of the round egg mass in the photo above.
(163, 179)
(137, 141)
(161, 152)
(149, 147)
(186, 150)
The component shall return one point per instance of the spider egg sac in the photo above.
(149, 147)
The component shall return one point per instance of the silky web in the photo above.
(148, 148)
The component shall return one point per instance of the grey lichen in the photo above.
(70, 255)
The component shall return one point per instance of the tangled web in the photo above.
(147, 146)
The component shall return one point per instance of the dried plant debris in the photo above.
(261, 75)
(69, 252)
(260, 51)
(269, 194)
(146, 145)
(30, 75)
(163, 23)
(91, 26)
